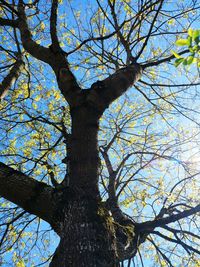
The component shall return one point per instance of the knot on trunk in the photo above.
(126, 240)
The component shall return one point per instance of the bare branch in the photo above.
(150, 30)
(99, 38)
(11, 77)
(150, 225)
(53, 23)
(187, 247)
(124, 42)
(161, 253)
(9, 6)
(163, 60)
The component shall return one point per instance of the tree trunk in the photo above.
(87, 237)
(83, 224)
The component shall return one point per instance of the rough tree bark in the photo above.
(87, 238)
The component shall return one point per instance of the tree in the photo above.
(54, 166)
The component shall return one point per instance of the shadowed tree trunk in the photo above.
(87, 236)
(83, 224)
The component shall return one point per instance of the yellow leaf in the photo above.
(38, 97)
(42, 26)
(190, 32)
(20, 264)
(34, 105)
(175, 54)
(76, 67)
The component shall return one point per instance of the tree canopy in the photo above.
(56, 53)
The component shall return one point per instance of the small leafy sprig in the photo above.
(193, 44)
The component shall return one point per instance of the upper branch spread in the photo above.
(53, 55)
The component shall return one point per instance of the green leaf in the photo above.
(178, 61)
(185, 63)
(190, 32)
(191, 49)
(196, 33)
(190, 60)
(182, 42)
(195, 48)
(189, 41)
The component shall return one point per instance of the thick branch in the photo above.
(150, 225)
(33, 196)
(9, 22)
(66, 80)
(56, 59)
(36, 50)
(104, 92)
(142, 230)
(11, 78)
